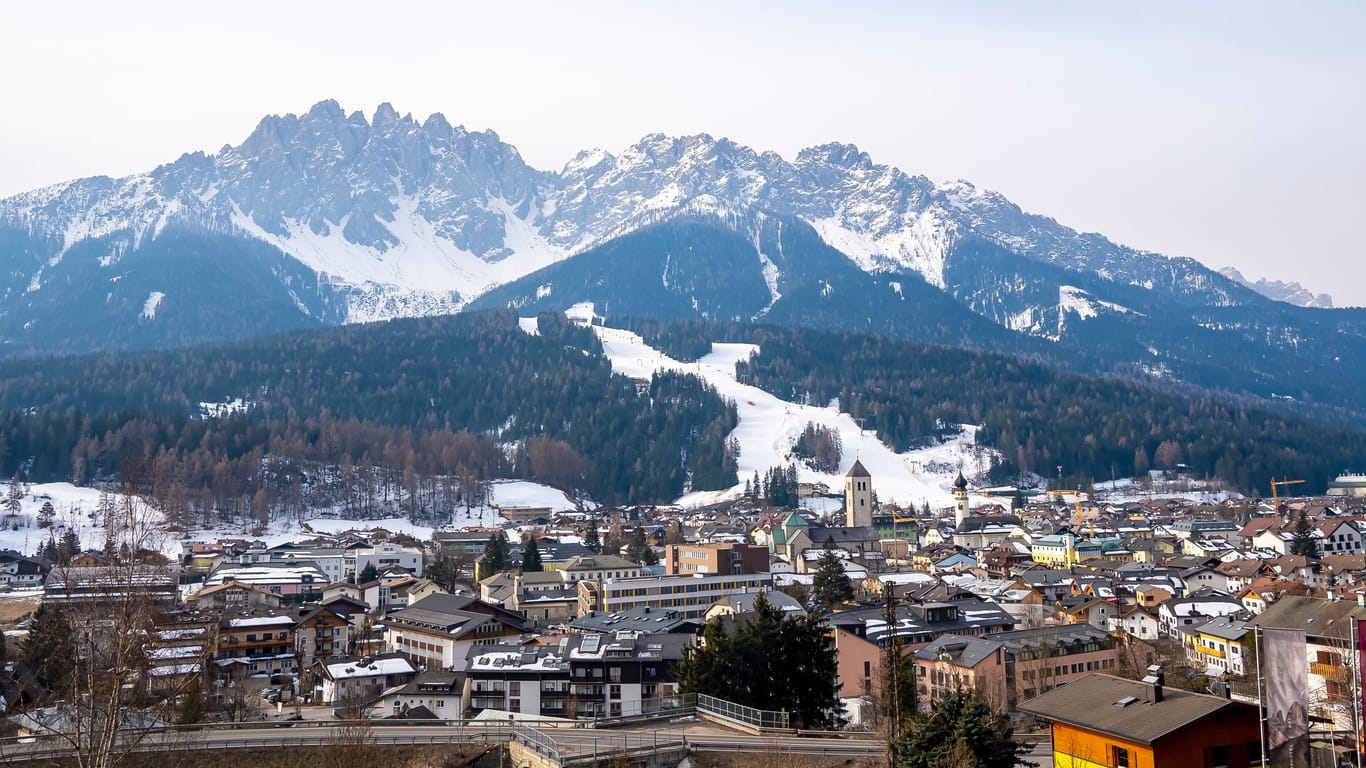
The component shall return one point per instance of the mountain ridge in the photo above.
(340, 218)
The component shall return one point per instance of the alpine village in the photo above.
(363, 443)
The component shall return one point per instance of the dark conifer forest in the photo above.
(418, 416)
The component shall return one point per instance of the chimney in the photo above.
(1155, 680)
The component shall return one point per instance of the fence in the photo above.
(765, 719)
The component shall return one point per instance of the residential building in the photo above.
(973, 664)
(99, 585)
(1216, 646)
(1195, 608)
(357, 683)
(598, 568)
(642, 619)
(321, 631)
(297, 579)
(918, 625)
(1100, 720)
(691, 596)
(21, 572)
(437, 691)
(714, 559)
(262, 642)
(1339, 536)
(437, 631)
(387, 553)
(599, 675)
(1327, 626)
(1044, 658)
(233, 597)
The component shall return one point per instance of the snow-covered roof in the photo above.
(375, 668)
(175, 652)
(262, 573)
(260, 621)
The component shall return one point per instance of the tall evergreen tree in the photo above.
(591, 538)
(960, 730)
(639, 550)
(531, 556)
(1304, 542)
(830, 585)
(497, 555)
(771, 661)
(48, 648)
(70, 546)
(368, 574)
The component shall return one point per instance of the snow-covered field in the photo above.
(769, 426)
(75, 510)
(1129, 490)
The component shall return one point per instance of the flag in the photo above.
(1287, 685)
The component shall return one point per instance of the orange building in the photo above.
(1101, 721)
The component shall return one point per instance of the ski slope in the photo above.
(769, 426)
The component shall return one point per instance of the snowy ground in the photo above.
(75, 508)
(1129, 490)
(769, 426)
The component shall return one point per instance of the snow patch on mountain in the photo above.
(768, 427)
(149, 307)
(921, 246)
(1079, 302)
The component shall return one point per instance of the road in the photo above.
(569, 743)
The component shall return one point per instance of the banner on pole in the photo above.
(1287, 685)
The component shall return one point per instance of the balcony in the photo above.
(1329, 671)
(1208, 651)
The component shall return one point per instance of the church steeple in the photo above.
(858, 496)
(960, 499)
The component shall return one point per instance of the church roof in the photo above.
(961, 483)
(857, 470)
(795, 519)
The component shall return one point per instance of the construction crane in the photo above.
(1275, 497)
(1077, 514)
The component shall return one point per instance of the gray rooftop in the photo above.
(1092, 703)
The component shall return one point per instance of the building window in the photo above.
(1121, 757)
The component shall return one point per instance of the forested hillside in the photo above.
(431, 407)
(1040, 418)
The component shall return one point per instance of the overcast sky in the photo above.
(1231, 132)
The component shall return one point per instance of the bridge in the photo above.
(540, 745)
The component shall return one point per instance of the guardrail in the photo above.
(567, 746)
(763, 719)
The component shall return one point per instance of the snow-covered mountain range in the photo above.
(421, 217)
(328, 217)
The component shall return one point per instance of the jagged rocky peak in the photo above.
(836, 154)
(1288, 291)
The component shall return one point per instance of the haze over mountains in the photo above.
(327, 218)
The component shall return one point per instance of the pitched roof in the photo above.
(1315, 615)
(857, 470)
(966, 652)
(1092, 703)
